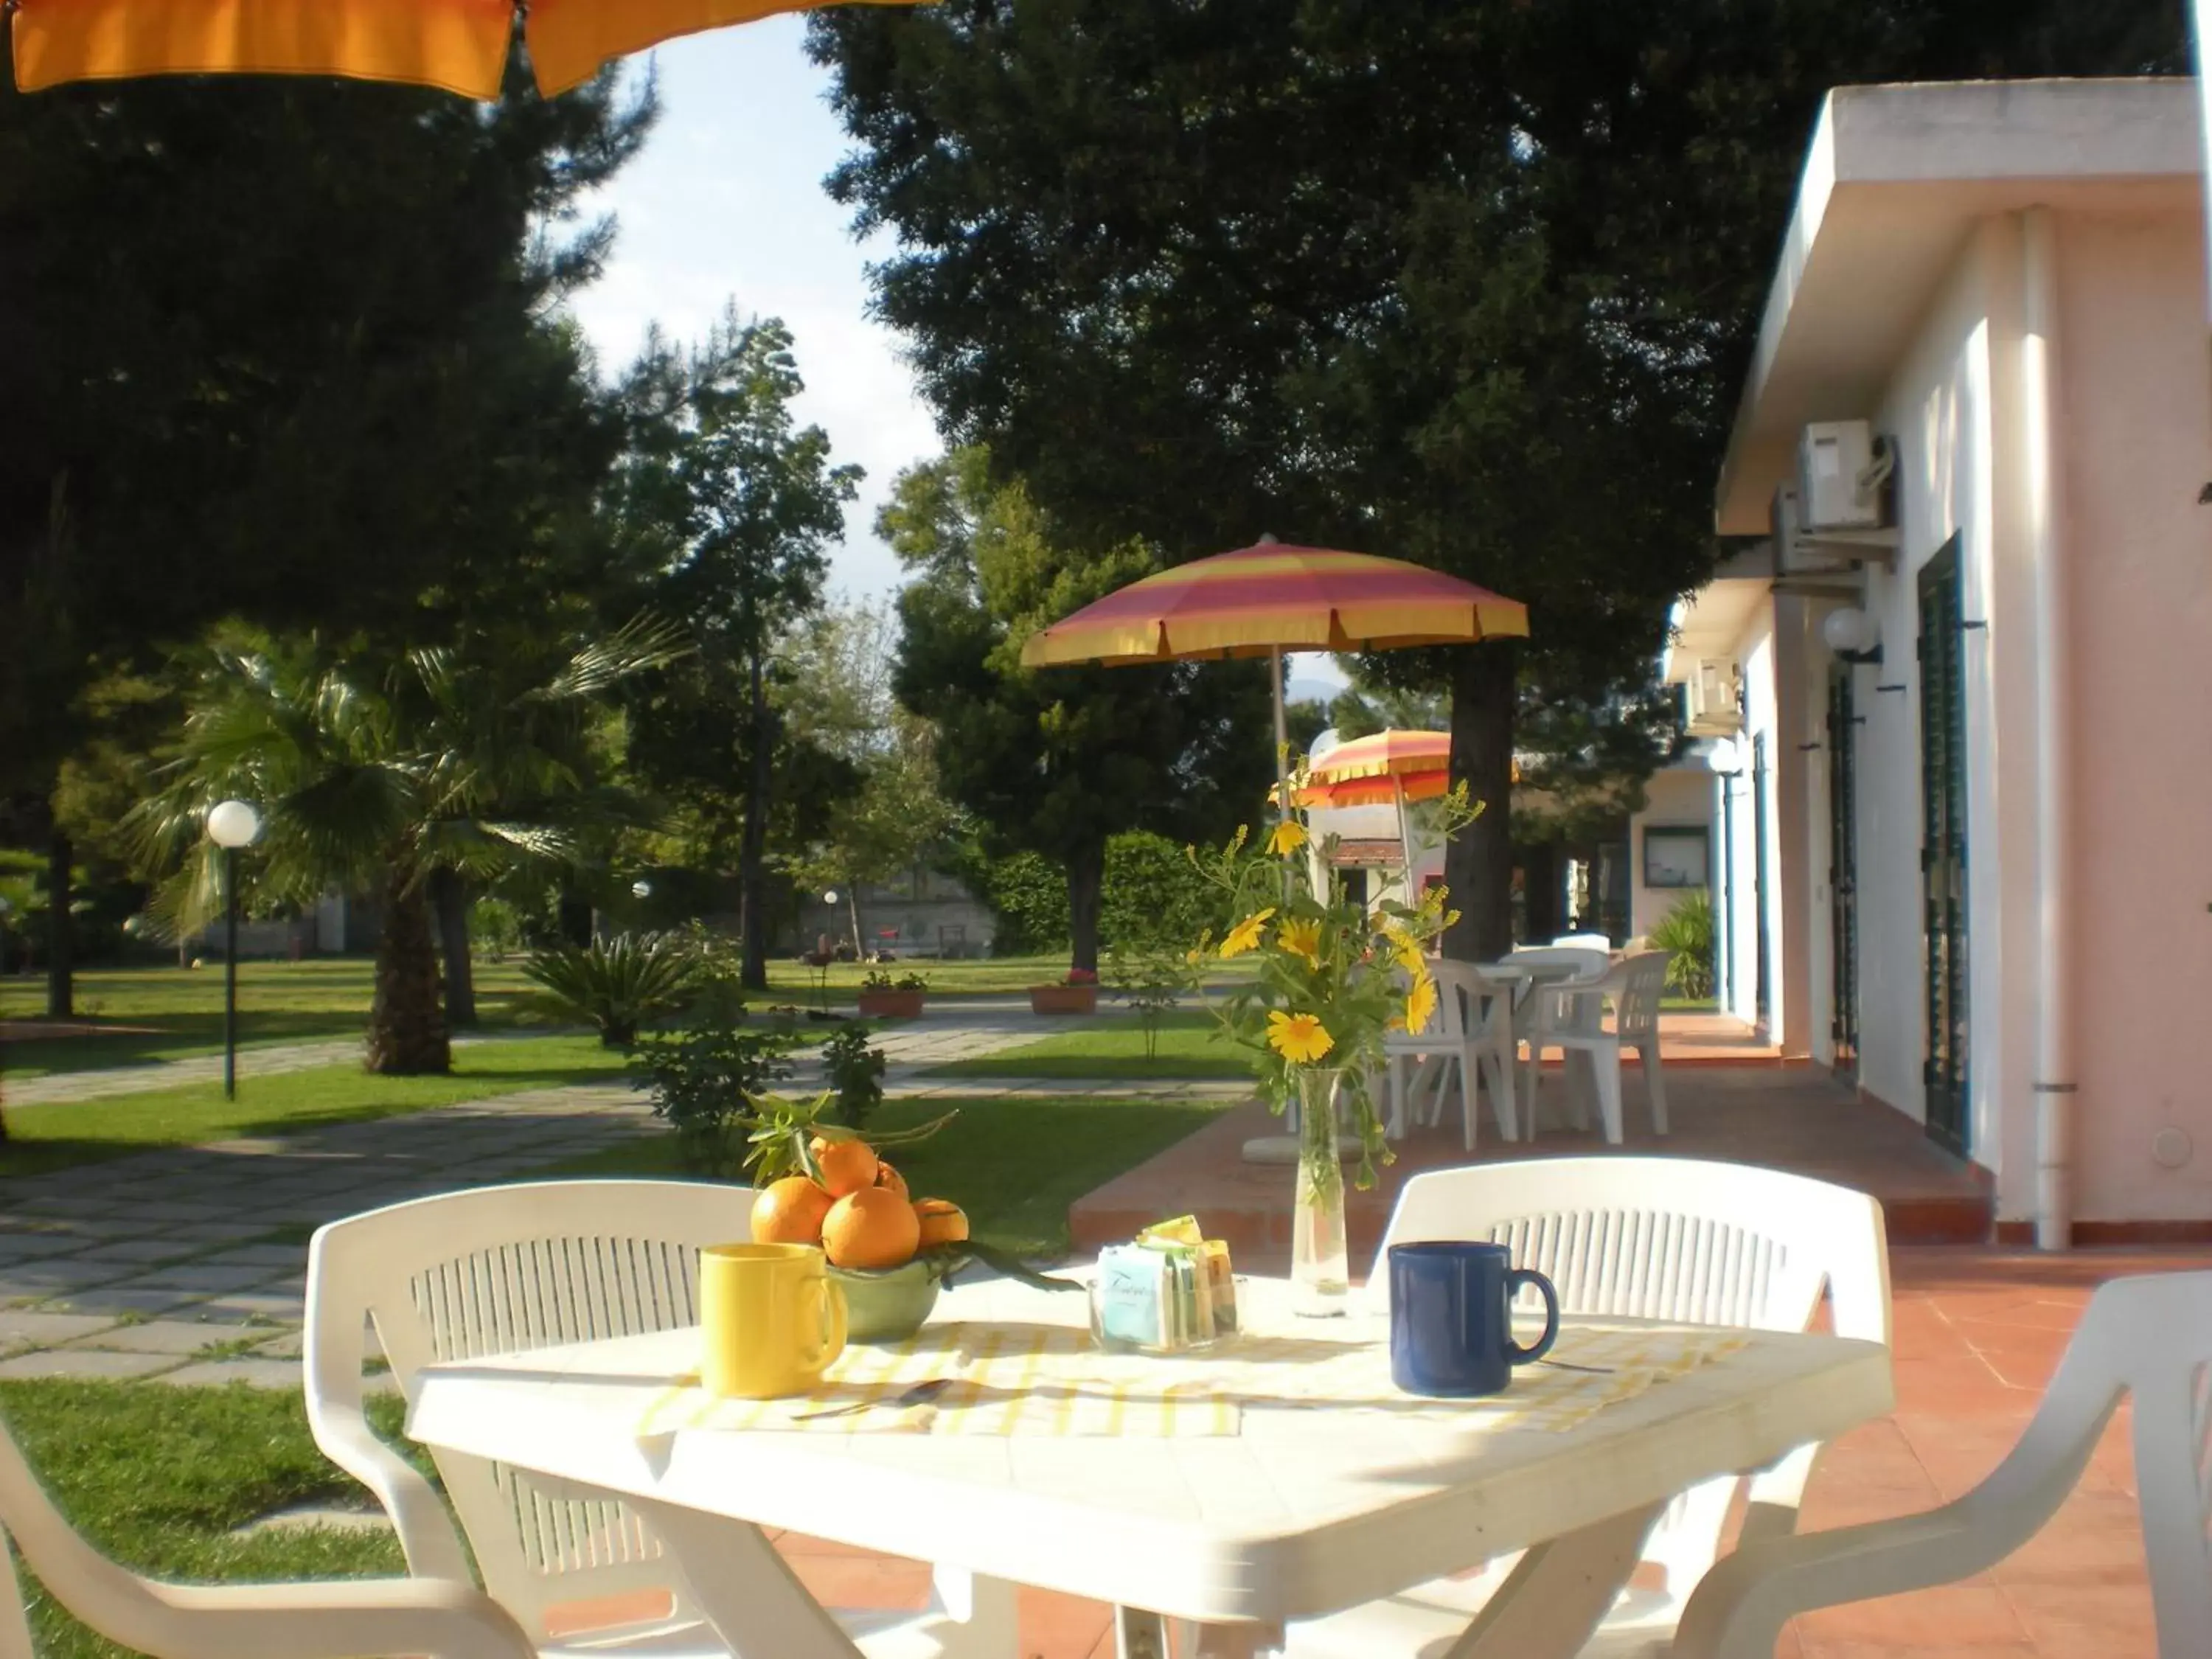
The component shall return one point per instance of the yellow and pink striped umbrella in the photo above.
(1262, 600)
(460, 45)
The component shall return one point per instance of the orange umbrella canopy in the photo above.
(460, 45)
(1274, 597)
(1370, 771)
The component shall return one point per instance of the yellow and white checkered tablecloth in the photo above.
(1032, 1379)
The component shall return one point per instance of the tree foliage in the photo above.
(1470, 282)
(733, 505)
(1059, 760)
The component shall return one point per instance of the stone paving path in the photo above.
(268, 1061)
(188, 1264)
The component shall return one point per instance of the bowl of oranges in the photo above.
(888, 1252)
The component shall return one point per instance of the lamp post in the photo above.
(231, 824)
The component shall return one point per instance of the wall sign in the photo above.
(1677, 856)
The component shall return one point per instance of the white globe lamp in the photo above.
(232, 824)
(1852, 634)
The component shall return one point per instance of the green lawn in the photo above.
(794, 980)
(1112, 1048)
(158, 1476)
(181, 1009)
(48, 1137)
(1015, 1166)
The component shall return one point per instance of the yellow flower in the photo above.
(1289, 837)
(1299, 1038)
(1301, 939)
(1406, 949)
(1421, 1003)
(1246, 933)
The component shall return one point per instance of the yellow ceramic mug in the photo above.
(770, 1320)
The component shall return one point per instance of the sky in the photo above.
(726, 202)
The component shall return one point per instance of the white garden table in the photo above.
(1301, 1513)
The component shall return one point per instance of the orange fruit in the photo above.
(847, 1166)
(889, 1179)
(872, 1228)
(941, 1220)
(789, 1212)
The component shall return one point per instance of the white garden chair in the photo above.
(2149, 1337)
(1640, 1237)
(1469, 1039)
(1571, 1017)
(506, 1269)
(345, 1618)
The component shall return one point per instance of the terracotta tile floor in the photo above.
(1791, 1118)
(1978, 1333)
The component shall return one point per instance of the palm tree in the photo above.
(473, 762)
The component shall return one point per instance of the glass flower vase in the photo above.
(1320, 1282)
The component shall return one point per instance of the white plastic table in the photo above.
(1221, 1539)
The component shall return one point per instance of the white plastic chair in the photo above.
(1468, 1040)
(2149, 1337)
(1641, 1238)
(1571, 1018)
(505, 1269)
(344, 1619)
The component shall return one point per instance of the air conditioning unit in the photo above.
(1712, 700)
(1843, 477)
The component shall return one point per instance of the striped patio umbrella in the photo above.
(460, 45)
(1263, 600)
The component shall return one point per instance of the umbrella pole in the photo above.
(1282, 735)
(1405, 835)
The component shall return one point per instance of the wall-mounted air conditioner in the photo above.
(1844, 477)
(1712, 700)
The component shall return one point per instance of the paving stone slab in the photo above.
(218, 1232)
(252, 1305)
(140, 1250)
(26, 1327)
(52, 1275)
(74, 1362)
(171, 1336)
(259, 1256)
(286, 1345)
(118, 1301)
(32, 1247)
(201, 1278)
(259, 1373)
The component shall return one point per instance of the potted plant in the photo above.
(1076, 994)
(882, 997)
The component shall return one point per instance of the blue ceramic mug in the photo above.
(1451, 1323)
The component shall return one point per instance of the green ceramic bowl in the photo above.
(886, 1305)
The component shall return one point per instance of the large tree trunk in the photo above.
(852, 906)
(407, 1031)
(1086, 884)
(752, 847)
(1479, 863)
(449, 893)
(1540, 891)
(61, 930)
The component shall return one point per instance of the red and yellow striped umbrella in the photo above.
(1383, 767)
(1272, 598)
(460, 45)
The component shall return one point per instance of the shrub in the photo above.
(1154, 896)
(704, 1080)
(855, 1073)
(615, 984)
(1151, 978)
(1685, 933)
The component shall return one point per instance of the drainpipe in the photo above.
(2055, 1086)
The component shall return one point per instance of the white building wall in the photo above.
(1938, 408)
(2136, 434)
(1675, 797)
(1737, 818)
